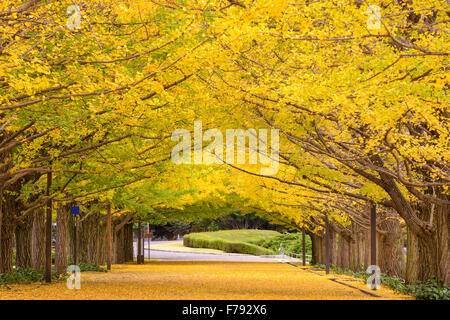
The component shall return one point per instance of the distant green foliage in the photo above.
(291, 242)
(25, 275)
(233, 241)
(234, 220)
(429, 290)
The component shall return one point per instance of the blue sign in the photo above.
(75, 210)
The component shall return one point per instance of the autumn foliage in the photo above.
(362, 113)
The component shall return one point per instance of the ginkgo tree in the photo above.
(358, 97)
(355, 101)
(68, 94)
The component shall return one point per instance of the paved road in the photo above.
(194, 256)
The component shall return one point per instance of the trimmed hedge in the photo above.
(205, 240)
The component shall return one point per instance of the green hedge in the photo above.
(206, 240)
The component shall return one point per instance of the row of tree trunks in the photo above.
(29, 236)
(123, 244)
(91, 238)
(353, 250)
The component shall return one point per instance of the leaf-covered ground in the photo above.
(202, 280)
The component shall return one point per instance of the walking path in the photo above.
(182, 275)
(168, 250)
(184, 280)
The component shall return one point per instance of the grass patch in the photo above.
(233, 241)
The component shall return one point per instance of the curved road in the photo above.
(194, 256)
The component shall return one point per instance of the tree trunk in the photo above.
(38, 240)
(23, 243)
(333, 253)
(343, 252)
(316, 249)
(69, 244)
(101, 253)
(390, 249)
(62, 219)
(83, 240)
(7, 233)
(119, 245)
(428, 257)
(128, 243)
(6, 251)
(367, 246)
(441, 246)
(322, 250)
(353, 255)
(361, 248)
(353, 249)
(94, 238)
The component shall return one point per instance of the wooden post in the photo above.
(48, 232)
(75, 239)
(139, 243)
(373, 241)
(108, 238)
(148, 239)
(327, 245)
(303, 247)
(373, 235)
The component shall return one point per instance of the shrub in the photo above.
(26, 275)
(430, 290)
(291, 242)
(84, 266)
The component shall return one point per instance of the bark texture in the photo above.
(62, 219)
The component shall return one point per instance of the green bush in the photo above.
(26, 275)
(291, 242)
(84, 266)
(232, 241)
